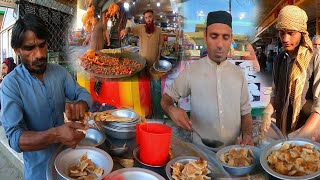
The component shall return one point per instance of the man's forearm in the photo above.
(311, 125)
(166, 103)
(246, 125)
(269, 108)
(33, 141)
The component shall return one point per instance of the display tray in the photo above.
(125, 54)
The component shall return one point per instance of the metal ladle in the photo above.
(209, 142)
(117, 151)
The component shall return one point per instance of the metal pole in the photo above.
(230, 6)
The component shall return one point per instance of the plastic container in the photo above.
(154, 142)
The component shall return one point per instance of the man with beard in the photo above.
(150, 38)
(220, 105)
(34, 98)
(295, 97)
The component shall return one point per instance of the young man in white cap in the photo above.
(220, 105)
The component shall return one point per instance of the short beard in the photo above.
(150, 28)
(40, 70)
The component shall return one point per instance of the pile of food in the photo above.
(192, 170)
(105, 65)
(294, 160)
(85, 170)
(238, 158)
(111, 51)
(106, 116)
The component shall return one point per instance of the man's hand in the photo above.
(180, 117)
(266, 120)
(245, 140)
(123, 33)
(76, 111)
(68, 134)
(85, 42)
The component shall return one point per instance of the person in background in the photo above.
(295, 99)
(97, 37)
(220, 104)
(316, 42)
(262, 58)
(150, 38)
(7, 66)
(33, 100)
(270, 59)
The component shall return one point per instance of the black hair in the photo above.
(148, 11)
(29, 22)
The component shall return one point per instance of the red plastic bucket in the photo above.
(154, 142)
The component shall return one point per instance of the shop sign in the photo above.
(272, 16)
(8, 3)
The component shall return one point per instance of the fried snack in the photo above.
(105, 65)
(193, 170)
(113, 10)
(237, 158)
(108, 117)
(294, 160)
(88, 19)
(85, 170)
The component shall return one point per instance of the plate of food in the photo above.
(238, 160)
(292, 159)
(83, 162)
(186, 167)
(114, 116)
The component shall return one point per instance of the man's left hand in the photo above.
(76, 111)
(245, 140)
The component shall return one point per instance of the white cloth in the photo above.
(219, 97)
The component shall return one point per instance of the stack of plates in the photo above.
(122, 130)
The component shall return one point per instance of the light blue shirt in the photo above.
(30, 105)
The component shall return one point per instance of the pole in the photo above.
(230, 6)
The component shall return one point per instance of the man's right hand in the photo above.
(266, 119)
(68, 134)
(123, 33)
(180, 117)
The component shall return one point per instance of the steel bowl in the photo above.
(119, 134)
(125, 113)
(276, 146)
(134, 174)
(162, 66)
(186, 160)
(93, 137)
(238, 171)
(69, 157)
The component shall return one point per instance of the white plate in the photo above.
(134, 174)
(276, 146)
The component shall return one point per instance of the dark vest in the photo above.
(281, 75)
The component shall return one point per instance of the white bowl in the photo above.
(69, 157)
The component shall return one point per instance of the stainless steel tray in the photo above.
(185, 160)
(276, 146)
(134, 174)
(126, 54)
